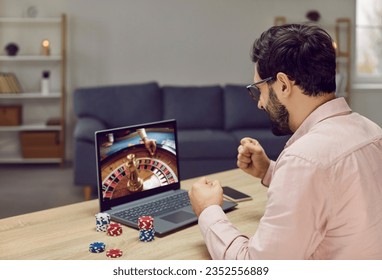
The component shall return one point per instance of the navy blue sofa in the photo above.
(211, 121)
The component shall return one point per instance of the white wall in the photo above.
(170, 41)
(367, 100)
(184, 42)
(174, 41)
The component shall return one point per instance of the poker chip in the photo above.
(146, 228)
(114, 229)
(97, 247)
(114, 253)
(102, 221)
(147, 235)
(145, 222)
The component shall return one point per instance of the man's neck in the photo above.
(303, 105)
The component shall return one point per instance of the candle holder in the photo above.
(45, 47)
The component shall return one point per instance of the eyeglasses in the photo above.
(254, 91)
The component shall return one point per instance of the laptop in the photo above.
(138, 175)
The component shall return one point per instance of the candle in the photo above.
(45, 47)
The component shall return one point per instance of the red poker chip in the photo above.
(114, 225)
(114, 253)
(145, 222)
(114, 234)
(114, 229)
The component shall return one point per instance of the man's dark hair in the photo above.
(303, 52)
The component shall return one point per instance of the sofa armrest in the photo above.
(86, 127)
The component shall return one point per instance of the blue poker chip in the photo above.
(146, 235)
(97, 247)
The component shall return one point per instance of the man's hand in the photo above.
(252, 158)
(205, 193)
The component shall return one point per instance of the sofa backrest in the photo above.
(120, 105)
(193, 107)
(241, 111)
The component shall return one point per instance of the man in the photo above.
(325, 189)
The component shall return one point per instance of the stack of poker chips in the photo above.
(146, 228)
(114, 229)
(102, 221)
(97, 247)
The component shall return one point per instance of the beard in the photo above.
(278, 115)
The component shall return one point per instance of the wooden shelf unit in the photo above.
(343, 42)
(33, 95)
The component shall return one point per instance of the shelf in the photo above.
(37, 109)
(34, 58)
(29, 127)
(30, 20)
(27, 95)
(18, 160)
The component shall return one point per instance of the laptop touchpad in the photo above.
(178, 217)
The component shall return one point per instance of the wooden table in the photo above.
(66, 232)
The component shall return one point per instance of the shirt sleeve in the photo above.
(219, 233)
(268, 176)
(142, 133)
(293, 224)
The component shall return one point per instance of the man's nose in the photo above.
(259, 105)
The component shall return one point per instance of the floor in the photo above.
(28, 188)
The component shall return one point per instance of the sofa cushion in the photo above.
(194, 107)
(120, 105)
(192, 168)
(241, 111)
(206, 144)
(86, 127)
(273, 145)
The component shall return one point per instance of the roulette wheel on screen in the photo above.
(133, 170)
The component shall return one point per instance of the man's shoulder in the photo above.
(334, 138)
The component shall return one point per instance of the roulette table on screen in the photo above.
(154, 170)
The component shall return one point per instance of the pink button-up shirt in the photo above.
(324, 197)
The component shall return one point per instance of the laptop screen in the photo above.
(136, 161)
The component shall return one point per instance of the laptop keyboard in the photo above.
(155, 208)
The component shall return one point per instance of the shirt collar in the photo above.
(335, 107)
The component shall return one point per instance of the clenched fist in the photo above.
(252, 158)
(205, 193)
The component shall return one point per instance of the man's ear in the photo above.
(285, 83)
